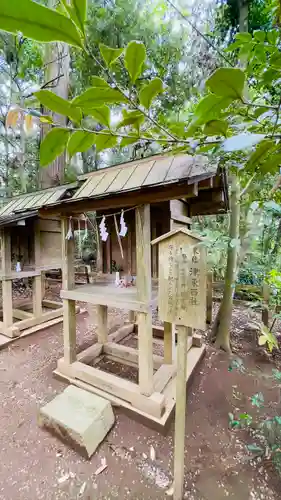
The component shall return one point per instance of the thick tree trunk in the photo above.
(57, 73)
(223, 320)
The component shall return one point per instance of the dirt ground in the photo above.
(35, 465)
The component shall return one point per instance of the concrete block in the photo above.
(79, 418)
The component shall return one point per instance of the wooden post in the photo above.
(265, 309)
(68, 283)
(168, 343)
(102, 324)
(180, 413)
(209, 297)
(143, 254)
(7, 299)
(37, 280)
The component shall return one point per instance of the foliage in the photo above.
(264, 429)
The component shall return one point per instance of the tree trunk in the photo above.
(223, 320)
(221, 327)
(57, 73)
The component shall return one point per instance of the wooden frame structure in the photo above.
(153, 397)
(30, 246)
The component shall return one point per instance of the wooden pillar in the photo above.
(168, 343)
(143, 254)
(131, 316)
(7, 299)
(265, 309)
(37, 280)
(209, 297)
(102, 324)
(68, 283)
(180, 413)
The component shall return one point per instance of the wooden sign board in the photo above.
(182, 279)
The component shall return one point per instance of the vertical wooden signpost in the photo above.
(181, 300)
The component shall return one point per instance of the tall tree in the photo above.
(57, 60)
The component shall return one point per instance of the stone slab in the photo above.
(79, 418)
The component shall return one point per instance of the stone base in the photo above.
(79, 418)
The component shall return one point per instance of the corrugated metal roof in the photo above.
(159, 170)
(33, 201)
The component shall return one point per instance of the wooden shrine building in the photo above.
(30, 245)
(156, 194)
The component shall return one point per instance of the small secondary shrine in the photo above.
(135, 203)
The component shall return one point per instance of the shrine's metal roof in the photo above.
(148, 172)
(27, 205)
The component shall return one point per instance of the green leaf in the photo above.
(102, 115)
(272, 36)
(80, 141)
(109, 55)
(58, 105)
(260, 153)
(46, 119)
(271, 164)
(97, 81)
(227, 82)
(96, 97)
(243, 37)
(135, 55)
(259, 36)
(275, 59)
(149, 91)
(37, 22)
(242, 141)
(105, 141)
(211, 106)
(80, 9)
(77, 12)
(233, 46)
(128, 140)
(262, 340)
(216, 127)
(134, 118)
(260, 53)
(53, 145)
(270, 75)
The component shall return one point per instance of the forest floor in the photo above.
(36, 465)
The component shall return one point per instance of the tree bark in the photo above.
(223, 320)
(57, 71)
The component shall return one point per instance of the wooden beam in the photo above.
(89, 354)
(144, 285)
(168, 343)
(33, 321)
(103, 297)
(68, 282)
(37, 283)
(129, 353)
(162, 377)
(180, 413)
(7, 300)
(121, 200)
(101, 312)
(51, 304)
(111, 384)
(20, 314)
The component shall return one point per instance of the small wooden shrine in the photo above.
(151, 196)
(30, 245)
